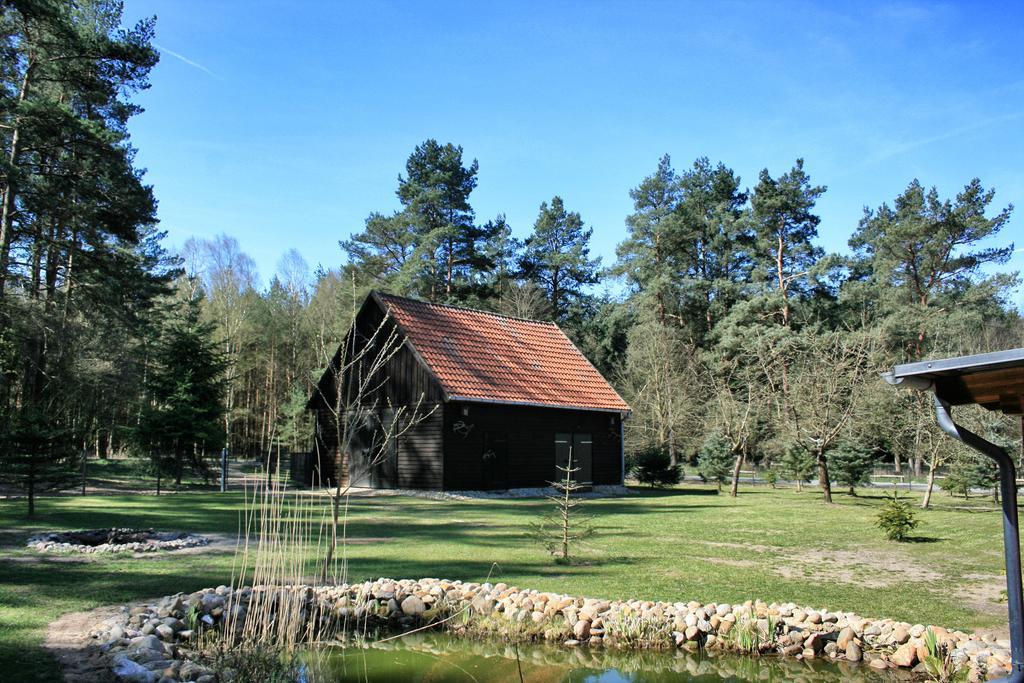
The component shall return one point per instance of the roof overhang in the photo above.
(622, 412)
(992, 380)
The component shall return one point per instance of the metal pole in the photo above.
(223, 470)
(622, 448)
(1011, 534)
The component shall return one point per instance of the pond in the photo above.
(443, 658)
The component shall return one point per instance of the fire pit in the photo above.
(114, 541)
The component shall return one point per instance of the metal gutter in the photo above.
(916, 376)
(975, 363)
(1011, 533)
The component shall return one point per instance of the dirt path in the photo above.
(78, 655)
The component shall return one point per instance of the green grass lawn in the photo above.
(130, 474)
(682, 544)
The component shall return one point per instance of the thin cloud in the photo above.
(185, 59)
(896, 150)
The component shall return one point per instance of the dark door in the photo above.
(360, 457)
(373, 461)
(582, 447)
(495, 461)
(385, 471)
(578, 447)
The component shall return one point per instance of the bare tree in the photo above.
(733, 410)
(358, 407)
(826, 375)
(229, 279)
(661, 382)
(524, 300)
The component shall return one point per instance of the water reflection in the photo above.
(441, 658)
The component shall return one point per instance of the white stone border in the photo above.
(54, 541)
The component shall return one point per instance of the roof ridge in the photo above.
(384, 294)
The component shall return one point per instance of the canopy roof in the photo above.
(993, 380)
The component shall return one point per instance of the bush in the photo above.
(716, 460)
(770, 475)
(653, 467)
(850, 465)
(897, 518)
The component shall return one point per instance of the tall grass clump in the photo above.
(270, 612)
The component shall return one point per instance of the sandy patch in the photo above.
(78, 655)
(867, 567)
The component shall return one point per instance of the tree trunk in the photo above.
(896, 467)
(782, 282)
(823, 480)
(931, 484)
(7, 208)
(734, 489)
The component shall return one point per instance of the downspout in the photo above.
(622, 446)
(1011, 533)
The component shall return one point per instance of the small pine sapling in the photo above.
(850, 465)
(798, 464)
(897, 518)
(716, 460)
(564, 526)
(653, 466)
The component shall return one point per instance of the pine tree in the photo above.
(850, 465)
(183, 419)
(968, 471)
(295, 429)
(556, 256)
(919, 261)
(715, 460)
(797, 463)
(36, 455)
(432, 248)
(716, 245)
(648, 256)
(785, 227)
(435, 193)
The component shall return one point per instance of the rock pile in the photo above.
(151, 644)
(113, 541)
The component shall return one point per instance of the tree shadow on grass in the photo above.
(922, 539)
(655, 492)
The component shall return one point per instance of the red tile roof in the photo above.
(480, 356)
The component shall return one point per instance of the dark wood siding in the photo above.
(420, 451)
(405, 381)
(531, 443)
(402, 382)
(325, 448)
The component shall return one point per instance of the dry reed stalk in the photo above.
(280, 527)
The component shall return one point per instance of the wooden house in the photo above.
(486, 401)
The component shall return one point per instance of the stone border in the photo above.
(63, 541)
(151, 642)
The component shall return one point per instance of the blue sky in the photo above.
(285, 123)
